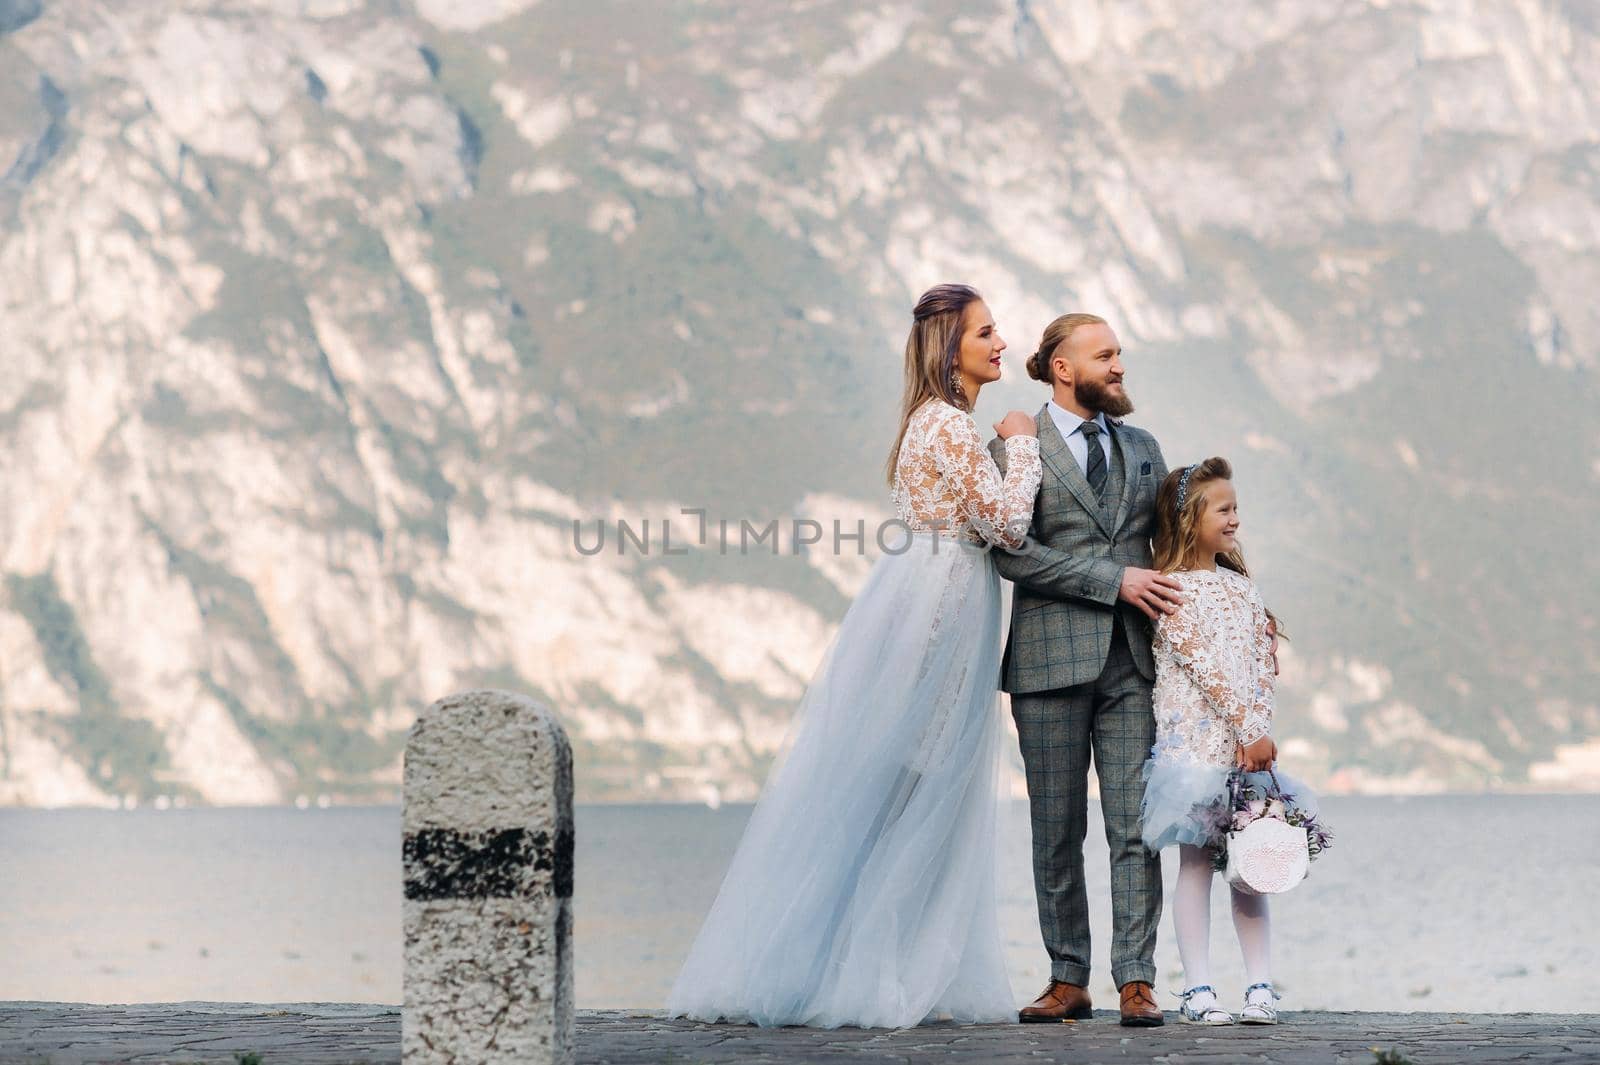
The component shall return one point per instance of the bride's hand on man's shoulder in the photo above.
(1016, 423)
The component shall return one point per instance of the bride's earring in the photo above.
(955, 387)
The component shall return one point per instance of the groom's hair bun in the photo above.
(1056, 334)
(1038, 367)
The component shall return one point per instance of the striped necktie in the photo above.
(1097, 457)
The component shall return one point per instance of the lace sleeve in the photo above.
(1258, 719)
(1184, 634)
(998, 508)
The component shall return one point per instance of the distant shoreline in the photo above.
(1528, 792)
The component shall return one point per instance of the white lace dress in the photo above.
(1213, 693)
(944, 479)
(863, 889)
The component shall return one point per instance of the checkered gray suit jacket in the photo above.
(1069, 570)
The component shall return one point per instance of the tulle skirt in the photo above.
(1186, 801)
(863, 890)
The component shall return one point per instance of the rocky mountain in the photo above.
(323, 321)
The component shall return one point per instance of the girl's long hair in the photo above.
(1176, 544)
(931, 349)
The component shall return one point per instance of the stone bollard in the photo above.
(488, 884)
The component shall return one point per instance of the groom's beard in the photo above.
(1096, 396)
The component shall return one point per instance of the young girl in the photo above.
(1213, 706)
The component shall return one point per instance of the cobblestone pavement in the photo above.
(38, 1033)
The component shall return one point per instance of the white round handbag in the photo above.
(1266, 857)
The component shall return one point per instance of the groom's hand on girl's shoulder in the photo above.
(1151, 591)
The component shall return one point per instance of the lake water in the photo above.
(1430, 903)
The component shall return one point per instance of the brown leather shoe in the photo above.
(1059, 1001)
(1139, 1009)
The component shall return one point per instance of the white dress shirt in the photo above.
(1067, 423)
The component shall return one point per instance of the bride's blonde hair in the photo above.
(1176, 544)
(931, 349)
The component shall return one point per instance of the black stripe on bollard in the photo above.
(443, 863)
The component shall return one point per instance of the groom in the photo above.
(1078, 662)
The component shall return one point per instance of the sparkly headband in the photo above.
(1183, 485)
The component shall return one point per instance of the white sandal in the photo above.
(1211, 1015)
(1261, 1008)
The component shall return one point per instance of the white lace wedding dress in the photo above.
(863, 890)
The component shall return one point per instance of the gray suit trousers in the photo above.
(1113, 716)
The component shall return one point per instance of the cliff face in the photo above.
(323, 320)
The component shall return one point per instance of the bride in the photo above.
(863, 890)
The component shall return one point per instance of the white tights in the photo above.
(1191, 915)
